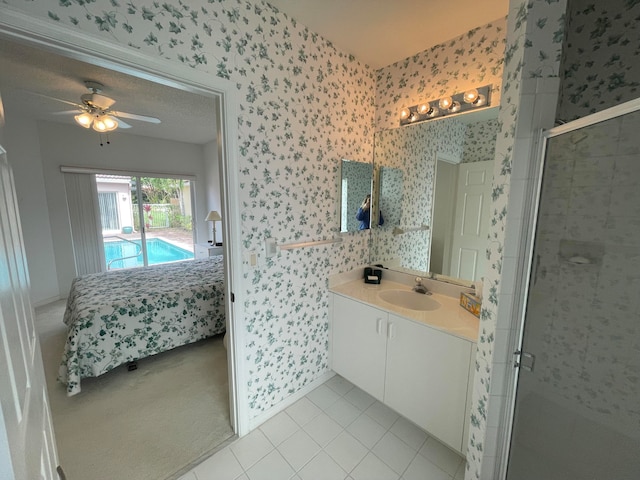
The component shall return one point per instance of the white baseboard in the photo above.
(290, 400)
(46, 301)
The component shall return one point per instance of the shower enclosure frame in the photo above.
(529, 229)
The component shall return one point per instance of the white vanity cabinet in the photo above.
(417, 370)
(360, 344)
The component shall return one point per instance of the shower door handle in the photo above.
(524, 360)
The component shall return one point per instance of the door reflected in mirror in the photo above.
(355, 185)
(461, 219)
(436, 217)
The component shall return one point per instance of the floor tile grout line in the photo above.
(370, 450)
(343, 429)
(257, 461)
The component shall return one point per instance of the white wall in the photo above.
(214, 191)
(23, 149)
(40, 148)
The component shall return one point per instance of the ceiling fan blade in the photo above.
(77, 105)
(66, 112)
(133, 116)
(123, 124)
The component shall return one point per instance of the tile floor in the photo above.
(336, 432)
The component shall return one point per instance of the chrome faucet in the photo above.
(420, 288)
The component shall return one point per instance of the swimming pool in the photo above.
(158, 251)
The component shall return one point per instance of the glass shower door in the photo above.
(577, 410)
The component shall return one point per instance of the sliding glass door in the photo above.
(145, 220)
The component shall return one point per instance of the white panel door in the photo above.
(27, 446)
(359, 344)
(471, 227)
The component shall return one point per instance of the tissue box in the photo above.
(372, 275)
(470, 303)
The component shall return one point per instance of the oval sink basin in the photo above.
(409, 299)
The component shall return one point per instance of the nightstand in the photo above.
(204, 250)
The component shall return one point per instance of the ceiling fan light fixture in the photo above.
(104, 123)
(84, 119)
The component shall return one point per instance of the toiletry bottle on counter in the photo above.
(477, 287)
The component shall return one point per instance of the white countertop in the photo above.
(450, 317)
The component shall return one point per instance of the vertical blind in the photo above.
(84, 214)
(108, 202)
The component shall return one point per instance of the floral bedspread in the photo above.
(120, 316)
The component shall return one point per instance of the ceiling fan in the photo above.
(95, 111)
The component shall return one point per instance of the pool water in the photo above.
(158, 251)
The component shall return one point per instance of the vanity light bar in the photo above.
(472, 99)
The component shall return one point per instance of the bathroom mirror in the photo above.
(355, 184)
(438, 183)
(390, 194)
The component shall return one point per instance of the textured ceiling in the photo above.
(378, 32)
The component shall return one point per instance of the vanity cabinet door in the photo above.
(426, 378)
(359, 344)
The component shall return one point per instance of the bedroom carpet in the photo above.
(153, 423)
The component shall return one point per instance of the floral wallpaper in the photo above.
(480, 141)
(413, 151)
(600, 67)
(304, 106)
(470, 60)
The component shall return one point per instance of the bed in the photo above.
(121, 316)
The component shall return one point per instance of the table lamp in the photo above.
(214, 217)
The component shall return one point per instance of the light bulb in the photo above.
(405, 113)
(110, 123)
(445, 103)
(84, 119)
(480, 101)
(455, 107)
(99, 126)
(424, 109)
(470, 96)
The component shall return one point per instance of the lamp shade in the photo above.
(213, 217)
(84, 119)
